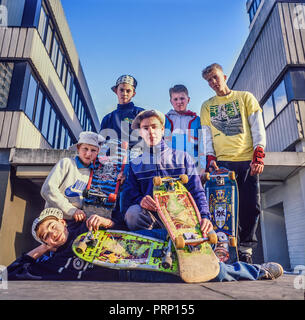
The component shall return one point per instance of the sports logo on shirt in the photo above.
(76, 190)
(227, 118)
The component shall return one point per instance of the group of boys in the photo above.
(230, 133)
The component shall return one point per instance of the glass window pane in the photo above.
(268, 111)
(49, 38)
(280, 97)
(68, 83)
(52, 127)
(57, 134)
(42, 23)
(59, 63)
(54, 51)
(38, 108)
(45, 119)
(64, 73)
(30, 101)
(62, 137)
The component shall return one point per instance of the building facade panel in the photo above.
(266, 60)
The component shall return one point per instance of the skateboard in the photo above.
(179, 214)
(105, 179)
(126, 250)
(222, 194)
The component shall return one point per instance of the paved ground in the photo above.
(281, 289)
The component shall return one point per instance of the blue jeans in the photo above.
(236, 271)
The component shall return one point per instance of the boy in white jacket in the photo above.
(66, 182)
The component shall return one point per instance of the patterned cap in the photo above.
(48, 212)
(125, 79)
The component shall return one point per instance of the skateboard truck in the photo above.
(170, 182)
(88, 241)
(102, 197)
(167, 260)
(190, 240)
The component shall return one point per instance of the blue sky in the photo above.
(160, 42)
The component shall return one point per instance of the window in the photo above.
(280, 97)
(30, 101)
(68, 83)
(268, 111)
(59, 63)
(49, 38)
(253, 9)
(51, 130)
(38, 109)
(55, 49)
(42, 26)
(45, 119)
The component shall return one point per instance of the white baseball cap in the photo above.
(48, 212)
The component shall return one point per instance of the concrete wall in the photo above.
(291, 195)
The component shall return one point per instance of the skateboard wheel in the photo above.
(81, 248)
(232, 242)
(206, 176)
(184, 178)
(157, 181)
(232, 175)
(167, 262)
(212, 238)
(112, 197)
(180, 243)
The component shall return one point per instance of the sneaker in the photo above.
(245, 257)
(272, 270)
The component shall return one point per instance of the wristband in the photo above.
(209, 159)
(258, 156)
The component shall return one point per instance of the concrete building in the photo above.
(44, 104)
(271, 65)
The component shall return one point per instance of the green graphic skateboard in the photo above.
(179, 214)
(126, 250)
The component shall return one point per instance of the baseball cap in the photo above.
(89, 137)
(126, 78)
(48, 212)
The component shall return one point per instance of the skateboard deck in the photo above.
(179, 214)
(104, 181)
(222, 194)
(126, 250)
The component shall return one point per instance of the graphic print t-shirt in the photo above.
(228, 119)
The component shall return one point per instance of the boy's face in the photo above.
(216, 80)
(151, 131)
(125, 93)
(179, 101)
(53, 232)
(87, 153)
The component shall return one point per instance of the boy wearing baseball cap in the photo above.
(66, 182)
(55, 260)
(117, 124)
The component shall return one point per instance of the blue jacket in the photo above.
(163, 161)
(184, 132)
(120, 121)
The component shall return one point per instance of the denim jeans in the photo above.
(234, 272)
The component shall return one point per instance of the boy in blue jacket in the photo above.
(158, 159)
(116, 125)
